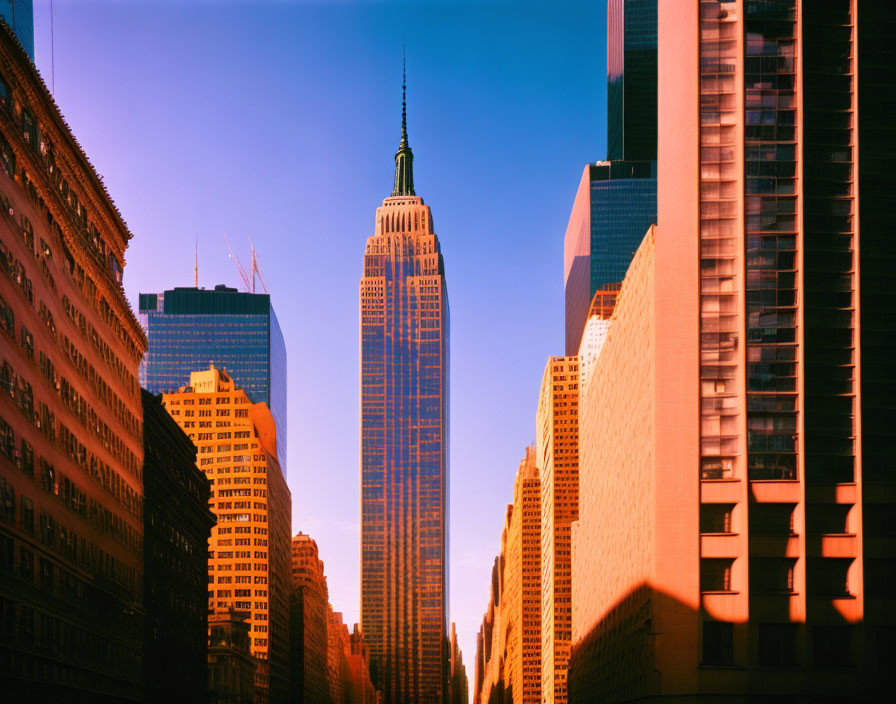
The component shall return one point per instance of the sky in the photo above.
(279, 121)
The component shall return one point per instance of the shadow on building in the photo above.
(651, 646)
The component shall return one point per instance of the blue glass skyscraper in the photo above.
(190, 328)
(616, 200)
(19, 15)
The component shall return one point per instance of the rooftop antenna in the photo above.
(52, 50)
(256, 269)
(196, 264)
(239, 267)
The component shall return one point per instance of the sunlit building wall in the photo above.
(557, 456)
(71, 417)
(249, 551)
(753, 559)
(308, 623)
(404, 448)
(613, 538)
(458, 685)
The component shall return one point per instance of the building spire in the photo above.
(404, 157)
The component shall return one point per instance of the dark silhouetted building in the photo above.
(177, 526)
(71, 416)
(231, 667)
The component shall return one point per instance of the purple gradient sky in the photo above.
(279, 121)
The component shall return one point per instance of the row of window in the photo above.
(777, 646)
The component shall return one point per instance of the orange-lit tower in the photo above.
(71, 417)
(308, 623)
(404, 447)
(557, 456)
(249, 551)
(737, 468)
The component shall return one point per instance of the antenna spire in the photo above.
(404, 102)
(196, 264)
(404, 157)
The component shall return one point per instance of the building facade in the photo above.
(616, 199)
(404, 447)
(759, 480)
(308, 623)
(249, 550)
(190, 328)
(19, 15)
(177, 525)
(231, 667)
(631, 80)
(510, 638)
(557, 456)
(458, 685)
(614, 206)
(71, 417)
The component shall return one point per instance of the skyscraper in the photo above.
(614, 206)
(189, 328)
(308, 623)
(557, 457)
(616, 199)
(404, 446)
(509, 656)
(249, 550)
(71, 416)
(176, 528)
(631, 80)
(735, 458)
(19, 15)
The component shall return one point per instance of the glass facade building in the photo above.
(616, 200)
(631, 80)
(623, 206)
(190, 328)
(404, 449)
(614, 207)
(19, 15)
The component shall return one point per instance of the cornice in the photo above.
(81, 250)
(29, 79)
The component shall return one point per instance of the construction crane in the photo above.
(255, 269)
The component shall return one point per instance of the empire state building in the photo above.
(404, 446)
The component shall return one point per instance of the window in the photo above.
(7, 160)
(777, 644)
(771, 575)
(715, 574)
(828, 577)
(715, 518)
(718, 643)
(771, 519)
(831, 646)
(827, 519)
(5, 95)
(29, 128)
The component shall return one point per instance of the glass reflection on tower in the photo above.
(404, 448)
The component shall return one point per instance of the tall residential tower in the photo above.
(404, 447)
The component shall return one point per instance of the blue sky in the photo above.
(279, 121)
